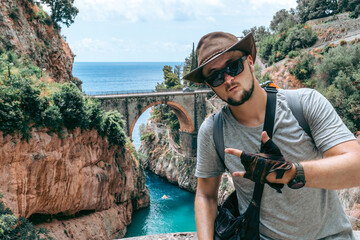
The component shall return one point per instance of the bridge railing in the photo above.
(93, 93)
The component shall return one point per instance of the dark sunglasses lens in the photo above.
(216, 79)
(235, 68)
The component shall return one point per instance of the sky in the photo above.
(159, 30)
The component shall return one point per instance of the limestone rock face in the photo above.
(25, 33)
(79, 172)
(350, 199)
(165, 158)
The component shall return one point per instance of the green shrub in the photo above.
(94, 113)
(43, 17)
(113, 128)
(293, 54)
(14, 13)
(31, 103)
(11, 117)
(353, 15)
(70, 102)
(265, 77)
(345, 98)
(148, 137)
(342, 58)
(52, 119)
(304, 67)
(12, 227)
(165, 115)
(342, 42)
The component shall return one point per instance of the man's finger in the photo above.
(233, 151)
(264, 137)
(238, 174)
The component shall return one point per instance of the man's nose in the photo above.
(228, 77)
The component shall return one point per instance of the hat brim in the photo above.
(246, 44)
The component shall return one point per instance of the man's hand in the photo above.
(266, 167)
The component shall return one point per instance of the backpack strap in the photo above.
(218, 131)
(293, 99)
(218, 136)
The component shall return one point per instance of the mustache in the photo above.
(229, 86)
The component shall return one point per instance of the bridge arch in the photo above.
(186, 123)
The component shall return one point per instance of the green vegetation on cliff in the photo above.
(12, 227)
(28, 99)
(274, 47)
(335, 73)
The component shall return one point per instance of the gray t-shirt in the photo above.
(306, 213)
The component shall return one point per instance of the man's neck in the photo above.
(252, 112)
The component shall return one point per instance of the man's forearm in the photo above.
(336, 172)
(205, 214)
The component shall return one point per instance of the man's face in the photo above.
(235, 90)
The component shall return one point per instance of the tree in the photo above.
(62, 11)
(171, 79)
(177, 70)
(283, 20)
(313, 9)
(258, 32)
(190, 64)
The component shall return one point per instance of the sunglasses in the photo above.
(233, 69)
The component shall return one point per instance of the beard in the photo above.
(246, 96)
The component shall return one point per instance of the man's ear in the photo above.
(251, 63)
(250, 59)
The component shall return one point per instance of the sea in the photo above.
(176, 213)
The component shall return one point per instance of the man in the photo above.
(310, 212)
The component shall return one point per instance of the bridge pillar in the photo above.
(188, 142)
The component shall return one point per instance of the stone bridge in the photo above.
(189, 107)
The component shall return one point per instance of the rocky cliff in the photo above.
(78, 186)
(161, 155)
(28, 31)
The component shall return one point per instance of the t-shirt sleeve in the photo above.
(326, 126)
(208, 162)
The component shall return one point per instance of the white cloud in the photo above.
(144, 10)
(287, 4)
(120, 50)
(92, 45)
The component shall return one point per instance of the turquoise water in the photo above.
(175, 214)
